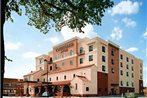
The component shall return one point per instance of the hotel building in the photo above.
(86, 67)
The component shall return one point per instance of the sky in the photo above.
(125, 24)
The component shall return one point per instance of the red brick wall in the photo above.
(102, 84)
(113, 78)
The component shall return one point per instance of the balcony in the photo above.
(81, 53)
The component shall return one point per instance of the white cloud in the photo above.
(12, 46)
(128, 22)
(116, 33)
(68, 33)
(54, 40)
(30, 55)
(132, 49)
(125, 7)
(145, 34)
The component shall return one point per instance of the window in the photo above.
(63, 54)
(121, 64)
(56, 57)
(56, 78)
(141, 77)
(56, 66)
(65, 77)
(38, 80)
(76, 86)
(127, 66)
(103, 49)
(40, 68)
(127, 83)
(44, 80)
(121, 72)
(121, 83)
(71, 52)
(103, 68)
(112, 70)
(50, 79)
(62, 63)
(91, 48)
(112, 61)
(103, 58)
(127, 59)
(112, 52)
(132, 84)
(81, 60)
(132, 75)
(50, 67)
(90, 57)
(132, 68)
(74, 75)
(127, 74)
(132, 61)
(81, 50)
(71, 62)
(141, 65)
(87, 88)
(140, 71)
(121, 56)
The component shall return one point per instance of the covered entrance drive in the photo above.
(34, 88)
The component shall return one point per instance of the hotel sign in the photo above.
(64, 47)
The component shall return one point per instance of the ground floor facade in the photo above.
(84, 81)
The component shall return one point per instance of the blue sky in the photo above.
(124, 24)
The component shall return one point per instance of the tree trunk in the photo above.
(3, 4)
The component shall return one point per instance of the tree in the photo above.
(44, 14)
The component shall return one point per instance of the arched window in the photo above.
(81, 49)
(71, 52)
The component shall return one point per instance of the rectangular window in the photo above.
(63, 54)
(132, 84)
(90, 57)
(50, 67)
(112, 52)
(56, 78)
(74, 75)
(56, 66)
(132, 68)
(91, 48)
(132, 75)
(121, 72)
(112, 70)
(103, 58)
(62, 63)
(132, 61)
(103, 68)
(76, 86)
(103, 49)
(71, 62)
(87, 88)
(121, 64)
(127, 66)
(140, 71)
(50, 79)
(81, 60)
(127, 74)
(65, 77)
(127, 83)
(121, 83)
(121, 56)
(127, 59)
(112, 61)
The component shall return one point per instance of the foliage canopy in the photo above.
(44, 14)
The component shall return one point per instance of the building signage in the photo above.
(64, 47)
